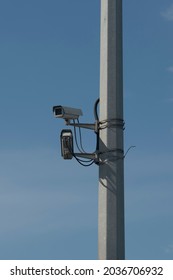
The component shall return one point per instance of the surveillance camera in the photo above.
(66, 113)
(66, 144)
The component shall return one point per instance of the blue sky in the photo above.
(49, 55)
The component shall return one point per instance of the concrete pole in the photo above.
(111, 172)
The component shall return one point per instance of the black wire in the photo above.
(97, 142)
(131, 147)
(90, 162)
(80, 137)
(76, 138)
(81, 150)
(80, 161)
(97, 120)
(95, 109)
(87, 160)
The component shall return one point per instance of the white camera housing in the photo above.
(66, 113)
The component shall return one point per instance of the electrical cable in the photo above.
(87, 162)
(80, 137)
(97, 121)
(80, 149)
(95, 109)
(80, 161)
(97, 142)
(113, 158)
(80, 134)
(75, 136)
(131, 147)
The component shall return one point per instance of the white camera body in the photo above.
(66, 113)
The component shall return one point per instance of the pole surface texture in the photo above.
(111, 170)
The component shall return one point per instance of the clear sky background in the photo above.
(49, 55)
